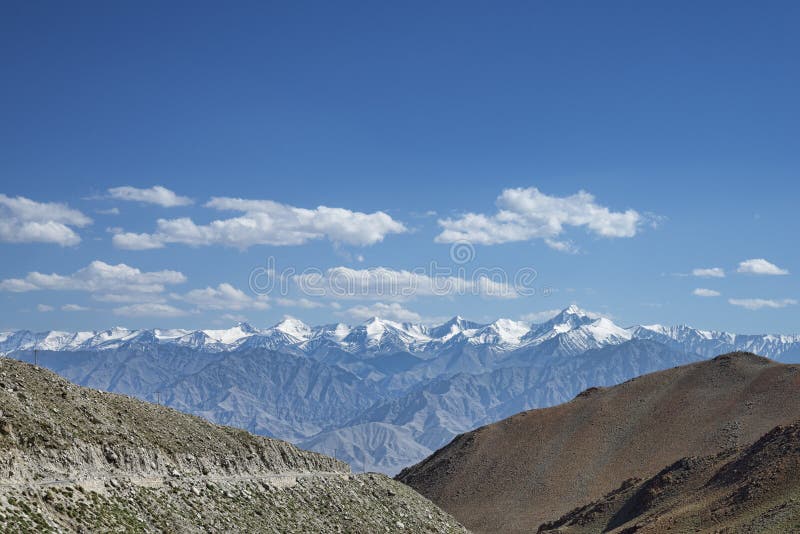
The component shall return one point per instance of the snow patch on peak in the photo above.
(572, 309)
(604, 330)
(375, 328)
(501, 332)
(337, 332)
(661, 329)
(293, 327)
(230, 335)
(173, 333)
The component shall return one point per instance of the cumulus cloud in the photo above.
(760, 266)
(23, 220)
(264, 222)
(525, 214)
(757, 304)
(703, 292)
(392, 311)
(709, 272)
(99, 278)
(134, 241)
(149, 309)
(223, 297)
(384, 283)
(157, 194)
(562, 246)
(44, 308)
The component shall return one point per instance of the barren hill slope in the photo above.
(755, 489)
(77, 459)
(513, 475)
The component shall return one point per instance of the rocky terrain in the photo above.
(534, 467)
(755, 489)
(79, 460)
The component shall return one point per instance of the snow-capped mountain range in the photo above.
(373, 336)
(380, 394)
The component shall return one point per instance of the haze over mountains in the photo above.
(380, 395)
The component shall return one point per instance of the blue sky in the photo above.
(679, 119)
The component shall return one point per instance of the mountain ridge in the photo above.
(344, 379)
(539, 464)
(503, 334)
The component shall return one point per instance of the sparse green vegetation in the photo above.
(80, 460)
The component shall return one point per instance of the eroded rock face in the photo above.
(75, 459)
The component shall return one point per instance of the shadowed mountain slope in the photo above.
(756, 489)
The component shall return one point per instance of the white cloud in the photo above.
(44, 308)
(393, 311)
(526, 214)
(264, 222)
(540, 316)
(760, 266)
(223, 297)
(703, 292)
(709, 272)
(154, 195)
(149, 309)
(109, 211)
(23, 220)
(99, 278)
(757, 304)
(384, 283)
(300, 303)
(562, 246)
(133, 241)
(129, 297)
(73, 308)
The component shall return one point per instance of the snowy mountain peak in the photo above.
(605, 331)
(247, 327)
(572, 309)
(336, 332)
(225, 336)
(503, 332)
(575, 331)
(375, 327)
(293, 327)
(574, 314)
(568, 319)
(451, 328)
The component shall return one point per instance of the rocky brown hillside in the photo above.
(752, 490)
(79, 460)
(536, 466)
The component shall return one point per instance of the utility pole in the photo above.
(158, 397)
